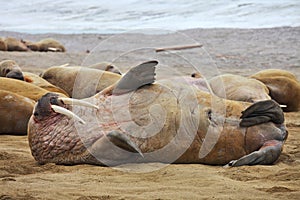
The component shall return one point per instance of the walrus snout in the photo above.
(51, 103)
(43, 107)
(16, 75)
(113, 69)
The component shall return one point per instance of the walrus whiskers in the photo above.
(66, 112)
(71, 101)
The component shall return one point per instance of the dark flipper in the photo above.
(124, 142)
(262, 112)
(136, 77)
(266, 155)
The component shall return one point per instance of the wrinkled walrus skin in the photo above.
(167, 122)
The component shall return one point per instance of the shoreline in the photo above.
(241, 51)
(128, 31)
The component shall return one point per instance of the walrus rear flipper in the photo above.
(122, 141)
(262, 112)
(266, 155)
(136, 77)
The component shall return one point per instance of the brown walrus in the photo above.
(3, 46)
(105, 66)
(283, 86)
(239, 88)
(10, 69)
(80, 82)
(23, 88)
(273, 73)
(138, 121)
(15, 111)
(48, 44)
(14, 44)
(42, 83)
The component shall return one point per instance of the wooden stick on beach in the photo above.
(179, 47)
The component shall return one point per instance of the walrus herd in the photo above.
(14, 44)
(77, 115)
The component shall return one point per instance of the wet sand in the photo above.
(239, 51)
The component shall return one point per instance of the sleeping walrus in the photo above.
(47, 44)
(283, 86)
(23, 88)
(15, 111)
(239, 88)
(10, 69)
(80, 82)
(138, 121)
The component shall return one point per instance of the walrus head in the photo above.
(48, 140)
(10, 69)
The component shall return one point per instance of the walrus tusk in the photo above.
(66, 112)
(64, 65)
(283, 106)
(71, 101)
(53, 49)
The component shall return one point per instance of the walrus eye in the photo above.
(7, 71)
(36, 114)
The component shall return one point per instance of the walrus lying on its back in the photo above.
(138, 121)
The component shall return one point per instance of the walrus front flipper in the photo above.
(124, 142)
(262, 112)
(266, 155)
(136, 77)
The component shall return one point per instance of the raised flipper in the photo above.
(136, 77)
(124, 142)
(262, 112)
(266, 155)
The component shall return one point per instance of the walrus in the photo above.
(15, 111)
(23, 88)
(42, 83)
(79, 82)
(14, 44)
(48, 44)
(3, 46)
(105, 66)
(239, 88)
(273, 73)
(283, 86)
(10, 69)
(137, 120)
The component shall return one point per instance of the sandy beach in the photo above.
(238, 51)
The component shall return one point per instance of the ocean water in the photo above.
(99, 16)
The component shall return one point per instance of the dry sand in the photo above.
(239, 51)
